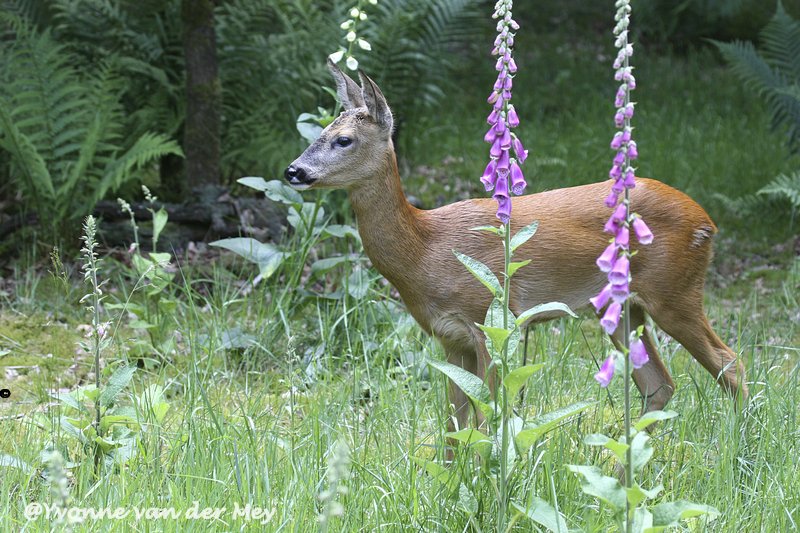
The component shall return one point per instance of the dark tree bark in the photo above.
(201, 142)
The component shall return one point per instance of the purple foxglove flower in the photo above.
(508, 83)
(610, 319)
(626, 136)
(602, 298)
(618, 61)
(505, 140)
(500, 126)
(621, 270)
(631, 82)
(630, 179)
(504, 209)
(520, 151)
(499, 65)
(512, 66)
(493, 97)
(638, 354)
(510, 40)
(493, 116)
(498, 105)
(615, 172)
(628, 112)
(617, 187)
(620, 292)
(498, 40)
(622, 238)
(517, 179)
(489, 176)
(612, 198)
(607, 258)
(506, 57)
(491, 135)
(619, 118)
(643, 233)
(498, 84)
(619, 158)
(500, 187)
(506, 94)
(616, 142)
(503, 164)
(606, 373)
(495, 150)
(513, 118)
(633, 152)
(514, 25)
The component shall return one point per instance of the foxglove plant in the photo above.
(503, 174)
(634, 450)
(350, 25)
(510, 437)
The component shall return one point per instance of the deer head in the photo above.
(354, 147)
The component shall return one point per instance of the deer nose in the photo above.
(295, 175)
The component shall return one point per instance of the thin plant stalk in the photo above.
(501, 519)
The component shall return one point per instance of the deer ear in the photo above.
(347, 90)
(376, 103)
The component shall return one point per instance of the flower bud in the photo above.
(513, 119)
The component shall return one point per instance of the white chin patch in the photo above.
(300, 186)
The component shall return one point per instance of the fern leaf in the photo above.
(781, 41)
(27, 158)
(784, 187)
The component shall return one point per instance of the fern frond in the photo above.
(785, 186)
(781, 43)
(148, 148)
(26, 158)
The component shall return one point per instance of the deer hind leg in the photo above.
(653, 379)
(472, 357)
(686, 322)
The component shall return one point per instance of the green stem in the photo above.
(501, 519)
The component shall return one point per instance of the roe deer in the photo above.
(413, 249)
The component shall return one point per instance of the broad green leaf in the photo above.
(549, 307)
(618, 448)
(321, 266)
(308, 131)
(472, 438)
(445, 476)
(358, 283)
(522, 236)
(159, 222)
(109, 420)
(267, 256)
(160, 258)
(516, 265)
(118, 381)
(340, 231)
(72, 430)
(544, 423)
(490, 229)
(652, 417)
(9, 461)
(475, 389)
(542, 513)
(106, 444)
(637, 494)
(642, 519)
(482, 273)
(669, 513)
(494, 319)
(498, 336)
(254, 182)
(70, 401)
(641, 449)
(278, 191)
(517, 378)
(596, 484)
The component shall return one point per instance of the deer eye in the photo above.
(343, 141)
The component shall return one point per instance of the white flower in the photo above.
(336, 56)
(351, 36)
(364, 44)
(352, 63)
(355, 12)
(362, 16)
(346, 24)
(373, 2)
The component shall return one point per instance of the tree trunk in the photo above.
(201, 142)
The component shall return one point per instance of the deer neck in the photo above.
(392, 230)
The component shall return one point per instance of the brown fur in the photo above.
(414, 248)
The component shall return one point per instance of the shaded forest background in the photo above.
(98, 97)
